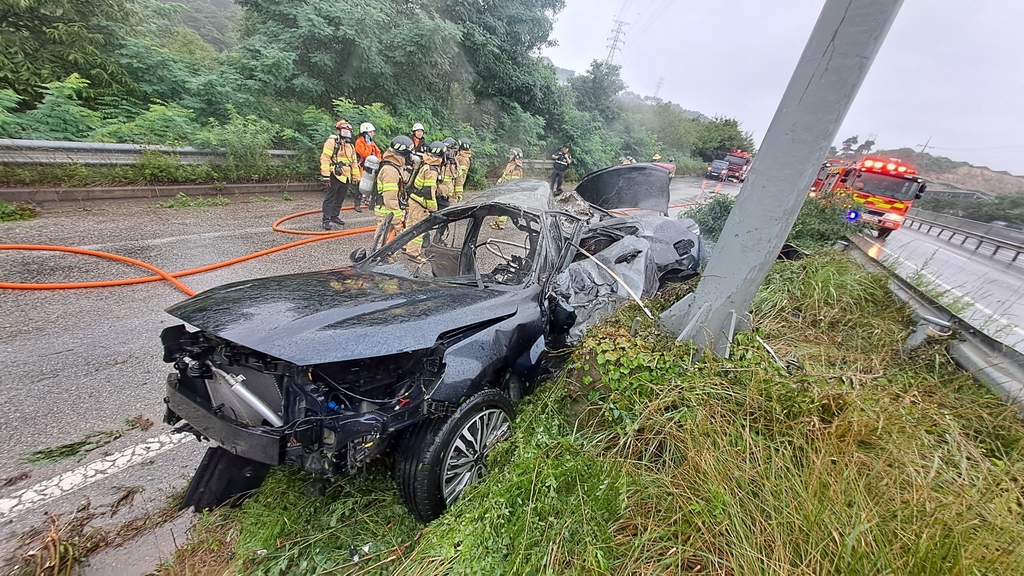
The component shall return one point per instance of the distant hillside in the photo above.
(942, 170)
(213, 20)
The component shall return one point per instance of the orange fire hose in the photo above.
(172, 277)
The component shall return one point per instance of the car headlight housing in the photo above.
(893, 217)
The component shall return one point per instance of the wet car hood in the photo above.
(643, 186)
(335, 315)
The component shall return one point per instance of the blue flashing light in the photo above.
(852, 215)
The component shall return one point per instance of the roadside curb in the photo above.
(52, 194)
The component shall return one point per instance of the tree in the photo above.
(848, 144)
(45, 41)
(865, 148)
(596, 90)
(718, 137)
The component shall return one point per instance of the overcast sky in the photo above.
(950, 70)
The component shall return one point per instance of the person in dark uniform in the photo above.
(562, 161)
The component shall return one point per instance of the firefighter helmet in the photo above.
(366, 127)
(465, 144)
(516, 152)
(342, 124)
(449, 142)
(402, 145)
(417, 126)
(436, 148)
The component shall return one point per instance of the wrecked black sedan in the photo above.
(328, 370)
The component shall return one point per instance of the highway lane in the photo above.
(986, 290)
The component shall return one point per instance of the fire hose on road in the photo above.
(172, 277)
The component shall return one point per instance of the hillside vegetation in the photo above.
(280, 73)
(942, 170)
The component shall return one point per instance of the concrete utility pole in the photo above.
(615, 40)
(835, 61)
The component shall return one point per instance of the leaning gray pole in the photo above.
(835, 61)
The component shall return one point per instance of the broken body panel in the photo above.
(324, 369)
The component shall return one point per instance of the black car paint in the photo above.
(299, 328)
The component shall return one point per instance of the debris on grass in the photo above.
(636, 461)
(15, 479)
(183, 200)
(11, 211)
(87, 443)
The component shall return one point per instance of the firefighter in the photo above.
(391, 179)
(419, 146)
(513, 171)
(339, 172)
(463, 161)
(365, 146)
(423, 197)
(448, 174)
(562, 160)
(657, 158)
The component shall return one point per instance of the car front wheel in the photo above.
(438, 459)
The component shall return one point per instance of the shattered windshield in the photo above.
(489, 246)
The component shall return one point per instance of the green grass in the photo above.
(639, 462)
(10, 212)
(183, 200)
(80, 448)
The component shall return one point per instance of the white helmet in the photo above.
(366, 127)
(417, 126)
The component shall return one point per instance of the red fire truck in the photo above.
(739, 163)
(885, 186)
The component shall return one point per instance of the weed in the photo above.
(259, 198)
(183, 200)
(286, 196)
(639, 461)
(84, 445)
(15, 211)
(219, 186)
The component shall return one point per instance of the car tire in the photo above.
(883, 233)
(427, 451)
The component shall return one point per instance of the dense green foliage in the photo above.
(865, 459)
(212, 73)
(821, 223)
(1008, 208)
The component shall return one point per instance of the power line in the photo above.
(925, 145)
(615, 40)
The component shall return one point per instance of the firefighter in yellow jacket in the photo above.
(462, 161)
(390, 181)
(449, 171)
(423, 196)
(339, 173)
(513, 171)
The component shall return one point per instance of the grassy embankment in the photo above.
(871, 460)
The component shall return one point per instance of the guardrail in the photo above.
(981, 239)
(96, 153)
(985, 358)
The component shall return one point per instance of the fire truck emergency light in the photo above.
(852, 215)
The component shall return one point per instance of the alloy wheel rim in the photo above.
(466, 460)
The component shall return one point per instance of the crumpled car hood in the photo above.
(643, 186)
(336, 315)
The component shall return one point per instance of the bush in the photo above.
(10, 212)
(822, 221)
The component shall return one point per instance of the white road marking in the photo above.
(172, 239)
(82, 476)
(953, 255)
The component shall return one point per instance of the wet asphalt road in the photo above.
(80, 360)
